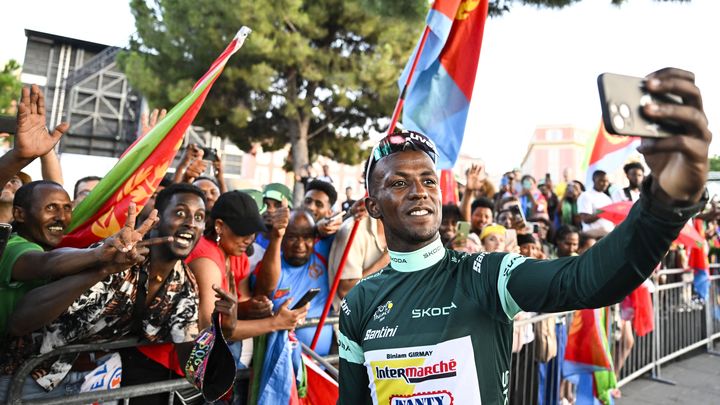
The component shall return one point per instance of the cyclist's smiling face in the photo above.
(406, 196)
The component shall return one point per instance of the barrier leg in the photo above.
(660, 326)
(710, 305)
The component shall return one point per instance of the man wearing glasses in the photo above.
(436, 325)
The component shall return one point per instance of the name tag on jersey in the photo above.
(441, 374)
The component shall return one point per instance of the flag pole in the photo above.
(351, 238)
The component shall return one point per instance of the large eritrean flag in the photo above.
(438, 98)
(609, 152)
(138, 172)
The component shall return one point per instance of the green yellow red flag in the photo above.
(137, 174)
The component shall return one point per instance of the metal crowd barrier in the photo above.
(174, 386)
(681, 325)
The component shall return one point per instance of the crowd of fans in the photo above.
(197, 247)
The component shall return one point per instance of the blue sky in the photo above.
(537, 66)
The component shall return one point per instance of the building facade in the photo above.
(553, 149)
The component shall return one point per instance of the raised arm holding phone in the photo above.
(452, 313)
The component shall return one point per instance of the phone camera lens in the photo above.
(618, 122)
(624, 110)
(613, 108)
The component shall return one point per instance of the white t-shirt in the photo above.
(367, 248)
(588, 203)
(619, 195)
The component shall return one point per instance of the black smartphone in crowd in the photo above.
(5, 231)
(622, 99)
(309, 295)
(210, 154)
(517, 213)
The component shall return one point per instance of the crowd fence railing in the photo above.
(681, 324)
(182, 391)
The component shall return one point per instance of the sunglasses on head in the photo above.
(400, 141)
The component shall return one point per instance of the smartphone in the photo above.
(309, 295)
(5, 231)
(517, 213)
(463, 230)
(209, 154)
(533, 227)
(622, 99)
(8, 124)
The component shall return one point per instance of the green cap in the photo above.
(278, 191)
(256, 195)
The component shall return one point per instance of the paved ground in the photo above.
(697, 378)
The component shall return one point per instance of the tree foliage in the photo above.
(10, 86)
(715, 163)
(415, 9)
(316, 74)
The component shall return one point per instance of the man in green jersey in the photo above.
(435, 327)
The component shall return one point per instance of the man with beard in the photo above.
(42, 211)
(303, 266)
(635, 174)
(320, 197)
(155, 299)
(436, 326)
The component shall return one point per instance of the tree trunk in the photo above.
(299, 142)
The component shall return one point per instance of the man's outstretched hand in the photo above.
(679, 164)
(32, 138)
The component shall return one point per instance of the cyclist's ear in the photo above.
(373, 208)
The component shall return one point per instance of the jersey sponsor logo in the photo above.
(384, 332)
(433, 252)
(505, 383)
(423, 398)
(411, 372)
(512, 263)
(416, 375)
(382, 311)
(478, 262)
(433, 311)
(345, 308)
(315, 271)
(398, 260)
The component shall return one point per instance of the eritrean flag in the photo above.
(448, 187)
(137, 174)
(609, 152)
(438, 98)
(588, 362)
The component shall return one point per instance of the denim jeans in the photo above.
(70, 385)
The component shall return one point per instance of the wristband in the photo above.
(679, 213)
